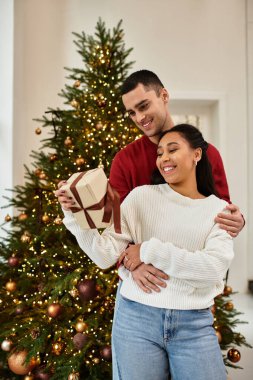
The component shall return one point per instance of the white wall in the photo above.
(193, 45)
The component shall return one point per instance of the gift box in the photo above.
(97, 204)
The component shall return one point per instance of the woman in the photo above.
(171, 224)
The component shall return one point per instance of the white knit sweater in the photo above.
(178, 236)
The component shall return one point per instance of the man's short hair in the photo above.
(145, 77)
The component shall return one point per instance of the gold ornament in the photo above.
(74, 376)
(26, 237)
(227, 290)
(11, 286)
(38, 131)
(37, 172)
(58, 347)
(96, 360)
(7, 218)
(73, 292)
(6, 345)
(22, 216)
(74, 103)
(16, 362)
(80, 161)
(77, 83)
(81, 326)
(54, 310)
(29, 377)
(45, 218)
(213, 309)
(53, 157)
(58, 220)
(68, 141)
(219, 336)
(229, 306)
(42, 175)
(99, 126)
(234, 355)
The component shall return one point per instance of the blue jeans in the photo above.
(151, 343)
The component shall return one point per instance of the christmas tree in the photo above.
(56, 305)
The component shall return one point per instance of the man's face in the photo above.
(148, 110)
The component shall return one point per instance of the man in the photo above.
(146, 102)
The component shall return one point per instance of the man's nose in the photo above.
(140, 117)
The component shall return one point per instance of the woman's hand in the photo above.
(130, 258)
(65, 201)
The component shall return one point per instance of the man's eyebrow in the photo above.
(138, 104)
(169, 144)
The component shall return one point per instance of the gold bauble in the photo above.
(74, 103)
(73, 292)
(29, 377)
(58, 347)
(7, 218)
(17, 364)
(99, 126)
(68, 141)
(229, 306)
(96, 360)
(38, 131)
(74, 376)
(22, 216)
(37, 172)
(77, 83)
(42, 175)
(80, 161)
(219, 336)
(81, 326)
(53, 157)
(25, 238)
(58, 220)
(227, 290)
(54, 310)
(6, 345)
(234, 355)
(11, 286)
(45, 218)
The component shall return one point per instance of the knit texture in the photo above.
(178, 236)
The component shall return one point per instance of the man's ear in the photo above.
(164, 95)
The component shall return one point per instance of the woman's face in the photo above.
(176, 160)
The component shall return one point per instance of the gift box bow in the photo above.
(110, 202)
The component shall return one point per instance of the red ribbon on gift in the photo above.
(110, 202)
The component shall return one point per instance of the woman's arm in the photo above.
(103, 249)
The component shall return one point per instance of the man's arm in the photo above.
(233, 223)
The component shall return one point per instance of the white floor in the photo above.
(244, 304)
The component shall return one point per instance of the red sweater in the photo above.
(134, 164)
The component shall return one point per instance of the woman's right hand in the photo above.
(65, 201)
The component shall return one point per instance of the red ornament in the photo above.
(79, 340)
(13, 261)
(106, 353)
(87, 290)
(234, 355)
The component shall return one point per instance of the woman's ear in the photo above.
(197, 155)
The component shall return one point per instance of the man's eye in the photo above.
(144, 106)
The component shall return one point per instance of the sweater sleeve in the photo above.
(103, 249)
(207, 266)
(118, 178)
(218, 172)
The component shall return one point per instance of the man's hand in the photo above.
(130, 258)
(233, 223)
(149, 278)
